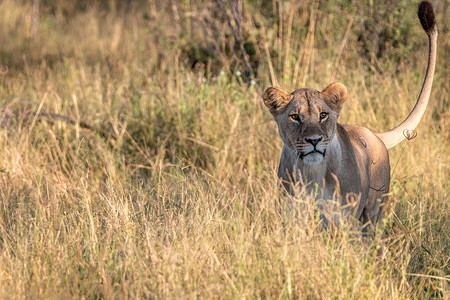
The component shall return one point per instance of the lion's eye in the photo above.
(323, 115)
(295, 117)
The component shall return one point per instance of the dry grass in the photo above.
(173, 194)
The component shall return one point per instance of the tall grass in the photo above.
(173, 193)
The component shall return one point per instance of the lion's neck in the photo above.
(314, 173)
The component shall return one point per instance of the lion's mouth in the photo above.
(302, 155)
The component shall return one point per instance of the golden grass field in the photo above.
(173, 193)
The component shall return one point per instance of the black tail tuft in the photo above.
(426, 16)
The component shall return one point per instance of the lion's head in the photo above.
(307, 118)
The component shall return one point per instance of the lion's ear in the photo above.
(276, 100)
(335, 95)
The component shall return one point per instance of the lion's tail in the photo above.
(393, 137)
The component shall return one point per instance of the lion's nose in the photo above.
(313, 142)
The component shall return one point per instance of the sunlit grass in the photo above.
(173, 193)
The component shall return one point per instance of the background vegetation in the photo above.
(173, 192)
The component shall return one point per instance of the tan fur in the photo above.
(347, 162)
(355, 161)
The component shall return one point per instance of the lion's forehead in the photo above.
(308, 102)
(311, 109)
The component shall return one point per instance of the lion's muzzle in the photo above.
(313, 151)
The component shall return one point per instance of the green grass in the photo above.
(174, 194)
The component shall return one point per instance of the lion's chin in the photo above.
(313, 158)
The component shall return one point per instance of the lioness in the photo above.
(347, 161)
